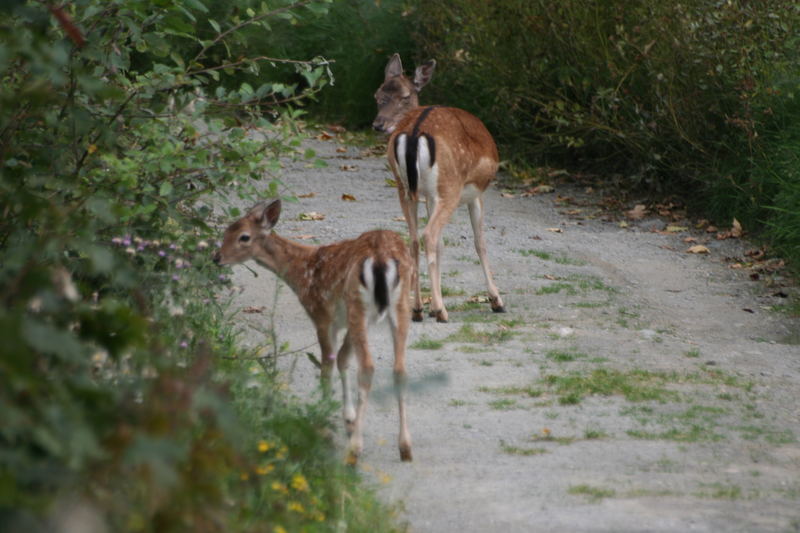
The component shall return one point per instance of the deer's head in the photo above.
(246, 238)
(397, 95)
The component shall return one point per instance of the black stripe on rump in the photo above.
(412, 144)
(381, 287)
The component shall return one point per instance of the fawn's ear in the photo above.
(266, 215)
(424, 73)
(394, 67)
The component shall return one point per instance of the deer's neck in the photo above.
(291, 261)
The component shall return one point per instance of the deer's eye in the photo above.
(244, 238)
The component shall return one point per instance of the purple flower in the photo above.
(175, 277)
(172, 246)
(117, 240)
(162, 253)
(184, 344)
(223, 277)
(126, 240)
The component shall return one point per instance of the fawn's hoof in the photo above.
(416, 315)
(498, 309)
(441, 315)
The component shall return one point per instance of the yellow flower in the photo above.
(295, 506)
(244, 476)
(277, 486)
(299, 482)
(319, 516)
(264, 470)
(263, 446)
(279, 529)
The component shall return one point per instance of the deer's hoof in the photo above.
(405, 454)
(416, 315)
(497, 305)
(441, 316)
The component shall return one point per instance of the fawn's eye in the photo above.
(244, 238)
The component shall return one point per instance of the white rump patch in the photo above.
(400, 155)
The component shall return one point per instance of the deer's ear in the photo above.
(266, 215)
(394, 67)
(424, 73)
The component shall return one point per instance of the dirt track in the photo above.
(679, 408)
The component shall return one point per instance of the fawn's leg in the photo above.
(399, 323)
(366, 368)
(409, 205)
(343, 362)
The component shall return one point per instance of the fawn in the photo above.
(348, 285)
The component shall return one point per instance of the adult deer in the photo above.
(346, 285)
(446, 155)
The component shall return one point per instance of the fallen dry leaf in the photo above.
(736, 229)
(550, 277)
(348, 198)
(507, 195)
(390, 182)
(307, 195)
(689, 240)
(479, 299)
(399, 219)
(676, 229)
(711, 229)
(555, 230)
(623, 224)
(637, 213)
(313, 215)
(698, 249)
(341, 149)
(348, 168)
(336, 128)
(252, 309)
(324, 136)
(305, 237)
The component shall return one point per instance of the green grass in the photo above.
(555, 288)
(468, 334)
(692, 354)
(426, 343)
(528, 391)
(634, 385)
(503, 404)
(593, 494)
(525, 452)
(547, 256)
(561, 356)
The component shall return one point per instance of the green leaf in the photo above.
(165, 189)
(214, 24)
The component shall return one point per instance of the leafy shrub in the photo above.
(126, 401)
(358, 38)
(684, 97)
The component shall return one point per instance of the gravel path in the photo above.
(630, 387)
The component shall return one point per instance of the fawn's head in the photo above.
(243, 239)
(397, 95)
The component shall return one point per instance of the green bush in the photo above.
(125, 399)
(357, 37)
(688, 97)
